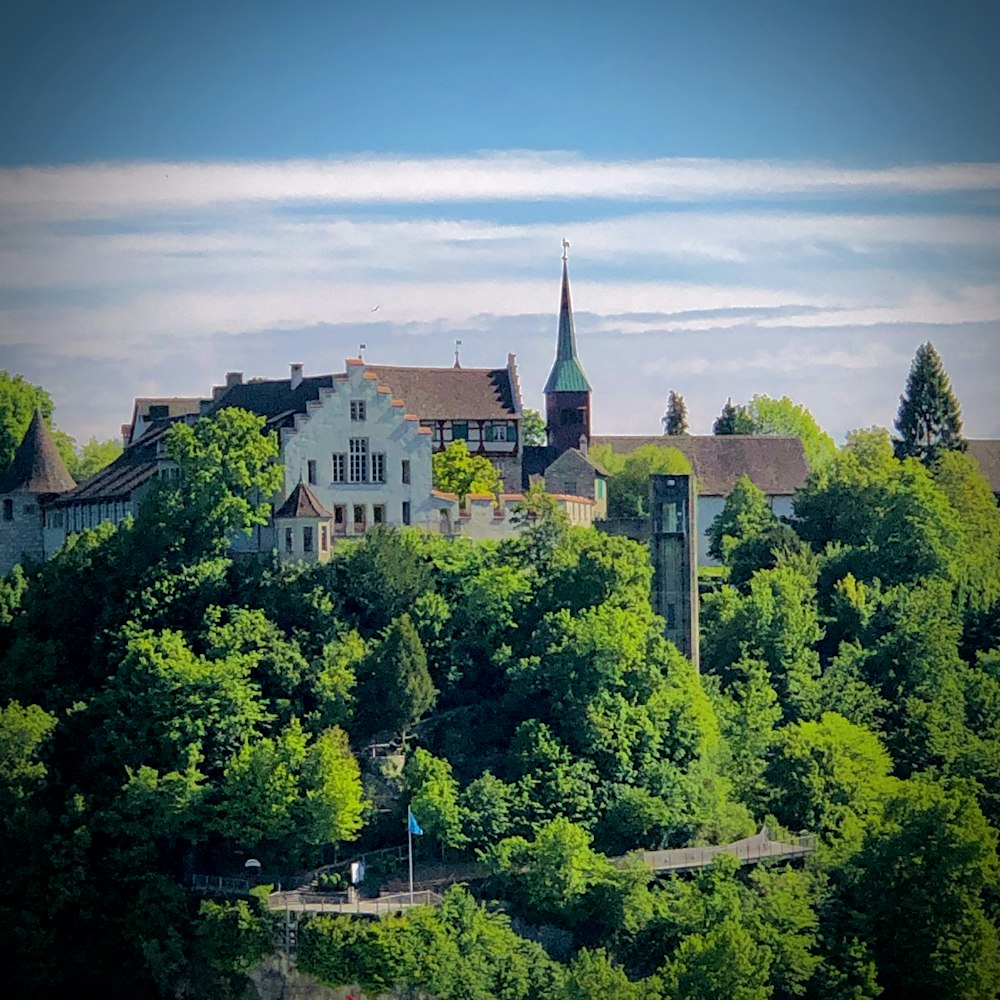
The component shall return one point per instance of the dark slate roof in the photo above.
(273, 399)
(37, 466)
(535, 459)
(987, 453)
(168, 406)
(302, 502)
(134, 467)
(776, 464)
(567, 372)
(452, 393)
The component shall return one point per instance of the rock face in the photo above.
(276, 978)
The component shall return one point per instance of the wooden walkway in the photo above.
(749, 851)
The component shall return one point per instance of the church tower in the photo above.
(567, 391)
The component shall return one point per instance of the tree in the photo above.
(732, 421)
(745, 515)
(456, 471)
(532, 428)
(675, 420)
(929, 419)
(434, 797)
(18, 401)
(229, 472)
(396, 689)
(783, 418)
(628, 481)
(919, 891)
(94, 456)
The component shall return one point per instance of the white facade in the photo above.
(366, 460)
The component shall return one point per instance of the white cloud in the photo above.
(98, 190)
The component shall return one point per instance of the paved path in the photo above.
(332, 903)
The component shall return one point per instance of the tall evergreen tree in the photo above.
(675, 420)
(733, 420)
(929, 419)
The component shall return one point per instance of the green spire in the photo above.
(567, 372)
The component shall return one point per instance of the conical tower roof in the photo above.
(567, 372)
(37, 467)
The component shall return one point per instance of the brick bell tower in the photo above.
(567, 391)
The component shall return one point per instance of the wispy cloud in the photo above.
(98, 190)
(714, 277)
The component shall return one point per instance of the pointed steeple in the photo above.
(567, 372)
(37, 466)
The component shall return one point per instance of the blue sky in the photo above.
(774, 197)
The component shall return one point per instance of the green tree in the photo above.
(396, 687)
(628, 479)
(675, 419)
(456, 471)
(783, 418)
(745, 516)
(18, 401)
(929, 419)
(94, 456)
(918, 892)
(229, 473)
(532, 428)
(829, 777)
(732, 420)
(433, 791)
(24, 730)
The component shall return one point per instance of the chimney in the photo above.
(296, 379)
(233, 378)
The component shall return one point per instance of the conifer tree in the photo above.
(675, 420)
(733, 420)
(929, 419)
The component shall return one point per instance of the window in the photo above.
(359, 460)
(378, 467)
(289, 541)
(359, 517)
(378, 513)
(406, 512)
(569, 416)
(307, 539)
(572, 487)
(311, 471)
(324, 538)
(339, 519)
(406, 470)
(339, 467)
(357, 409)
(497, 432)
(8, 510)
(599, 488)
(460, 430)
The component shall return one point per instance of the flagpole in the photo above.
(409, 843)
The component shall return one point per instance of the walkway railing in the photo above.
(318, 903)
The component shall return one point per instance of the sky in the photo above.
(776, 197)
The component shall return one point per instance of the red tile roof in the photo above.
(302, 502)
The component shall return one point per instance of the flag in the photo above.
(414, 825)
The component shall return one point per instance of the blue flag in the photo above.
(414, 825)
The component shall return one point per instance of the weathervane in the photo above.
(458, 344)
(565, 249)
(361, 351)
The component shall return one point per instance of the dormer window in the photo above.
(357, 409)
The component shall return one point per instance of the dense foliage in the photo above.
(166, 710)
(929, 421)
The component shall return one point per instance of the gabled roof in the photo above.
(273, 399)
(37, 466)
(567, 372)
(574, 457)
(986, 451)
(302, 502)
(453, 393)
(775, 464)
(133, 468)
